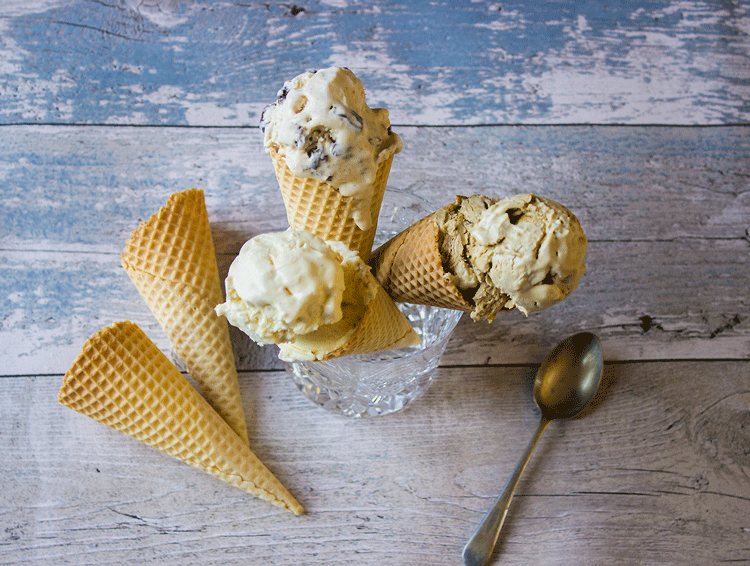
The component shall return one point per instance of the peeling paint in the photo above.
(166, 62)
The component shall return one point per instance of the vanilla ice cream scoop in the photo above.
(526, 252)
(283, 284)
(316, 299)
(322, 126)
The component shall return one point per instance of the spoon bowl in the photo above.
(569, 377)
(565, 384)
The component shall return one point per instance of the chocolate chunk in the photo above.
(354, 119)
(301, 137)
(316, 158)
(549, 279)
(263, 121)
(514, 215)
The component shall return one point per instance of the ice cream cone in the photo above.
(171, 260)
(317, 207)
(122, 379)
(410, 268)
(382, 327)
(486, 255)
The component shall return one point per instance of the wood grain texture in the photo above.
(430, 62)
(649, 476)
(663, 208)
(109, 106)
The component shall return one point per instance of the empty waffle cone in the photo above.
(382, 327)
(122, 379)
(410, 268)
(317, 207)
(171, 260)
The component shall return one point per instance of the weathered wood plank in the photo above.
(666, 210)
(656, 472)
(86, 188)
(53, 302)
(651, 473)
(219, 63)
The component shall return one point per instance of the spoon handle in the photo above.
(478, 550)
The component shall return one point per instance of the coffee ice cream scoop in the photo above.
(485, 255)
(526, 252)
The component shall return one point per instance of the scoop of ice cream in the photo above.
(456, 222)
(359, 289)
(323, 127)
(525, 252)
(283, 284)
(300, 292)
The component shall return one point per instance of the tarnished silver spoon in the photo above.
(565, 383)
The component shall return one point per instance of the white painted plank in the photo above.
(649, 474)
(429, 62)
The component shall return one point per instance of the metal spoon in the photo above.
(565, 383)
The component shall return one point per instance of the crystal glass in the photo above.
(384, 382)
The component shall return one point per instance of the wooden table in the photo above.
(633, 114)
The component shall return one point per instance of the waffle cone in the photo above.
(171, 260)
(121, 379)
(382, 327)
(410, 268)
(317, 207)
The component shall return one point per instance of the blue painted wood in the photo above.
(658, 463)
(429, 62)
(83, 189)
(666, 211)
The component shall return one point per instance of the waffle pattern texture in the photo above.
(122, 379)
(383, 327)
(317, 207)
(410, 268)
(171, 260)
